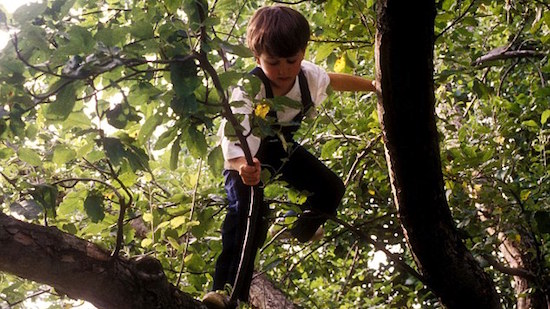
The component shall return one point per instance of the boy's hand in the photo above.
(249, 174)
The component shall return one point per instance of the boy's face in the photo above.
(281, 71)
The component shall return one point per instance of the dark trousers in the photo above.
(302, 171)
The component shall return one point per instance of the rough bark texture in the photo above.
(404, 56)
(82, 270)
(520, 255)
(264, 295)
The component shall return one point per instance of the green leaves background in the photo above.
(103, 103)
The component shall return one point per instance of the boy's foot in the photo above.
(280, 229)
(215, 300)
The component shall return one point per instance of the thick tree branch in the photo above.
(83, 270)
(502, 53)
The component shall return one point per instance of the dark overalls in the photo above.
(297, 167)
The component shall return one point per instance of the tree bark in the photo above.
(82, 270)
(404, 58)
(264, 295)
(521, 254)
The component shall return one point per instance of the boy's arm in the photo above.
(348, 82)
(249, 174)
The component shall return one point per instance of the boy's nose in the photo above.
(283, 69)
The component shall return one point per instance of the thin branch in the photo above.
(337, 127)
(399, 263)
(501, 54)
(188, 232)
(462, 15)
(519, 272)
(508, 70)
(84, 179)
(38, 293)
(290, 2)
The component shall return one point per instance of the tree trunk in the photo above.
(520, 254)
(529, 294)
(404, 58)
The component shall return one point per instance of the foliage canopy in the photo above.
(109, 107)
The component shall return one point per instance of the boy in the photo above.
(278, 37)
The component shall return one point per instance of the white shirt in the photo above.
(318, 81)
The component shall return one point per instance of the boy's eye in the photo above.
(273, 62)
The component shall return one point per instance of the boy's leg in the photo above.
(233, 231)
(303, 171)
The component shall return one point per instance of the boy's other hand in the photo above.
(250, 174)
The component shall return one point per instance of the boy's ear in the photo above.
(257, 59)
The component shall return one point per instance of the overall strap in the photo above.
(261, 75)
(307, 102)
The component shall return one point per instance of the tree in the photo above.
(407, 116)
(108, 131)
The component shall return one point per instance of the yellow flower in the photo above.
(340, 64)
(261, 110)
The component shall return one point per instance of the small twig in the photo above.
(379, 246)
(519, 272)
(508, 70)
(462, 15)
(188, 232)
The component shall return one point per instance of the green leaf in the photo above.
(63, 154)
(175, 153)
(229, 78)
(544, 117)
(142, 29)
(194, 262)
(196, 142)
(28, 12)
(481, 89)
(72, 202)
(166, 138)
(148, 128)
(216, 161)
(324, 50)
(329, 148)
(46, 195)
(30, 156)
(178, 221)
(65, 100)
(183, 75)
(93, 204)
(172, 5)
(81, 40)
(530, 123)
(120, 115)
(114, 149)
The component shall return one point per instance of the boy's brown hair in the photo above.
(277, 30)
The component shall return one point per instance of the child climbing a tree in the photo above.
(278, 37)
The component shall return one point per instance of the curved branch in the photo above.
(502, 54)
(83, 270)
(520, 272)
(455, 21)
